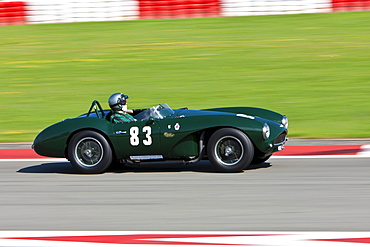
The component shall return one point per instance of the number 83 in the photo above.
(134, 136)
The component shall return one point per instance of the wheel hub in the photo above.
(228, 151)
(88, 153)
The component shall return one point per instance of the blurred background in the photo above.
(307, 59)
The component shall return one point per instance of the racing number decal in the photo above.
(134, 136)
(148, 131)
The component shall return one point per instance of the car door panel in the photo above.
(137, 138)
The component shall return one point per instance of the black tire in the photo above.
(89, 152)
(260, 160)
(230, 150)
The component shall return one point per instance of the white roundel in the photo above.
(177, 126)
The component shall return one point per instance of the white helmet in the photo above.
(117, 100)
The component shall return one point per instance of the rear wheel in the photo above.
(230, 150)
(89, 152)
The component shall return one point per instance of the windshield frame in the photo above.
(160, 111)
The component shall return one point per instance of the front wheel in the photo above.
(260, 160)
(230, 150)
(89, 152)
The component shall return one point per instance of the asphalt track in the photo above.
(285, 194)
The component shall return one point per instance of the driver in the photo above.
(120, 113)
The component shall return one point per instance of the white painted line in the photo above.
(320, 156)
(365, 151)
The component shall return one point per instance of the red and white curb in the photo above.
(324, 151)
(294, 151)
(179, 238)
(24, 155)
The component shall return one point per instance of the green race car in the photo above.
(230, 138)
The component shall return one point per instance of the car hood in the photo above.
(250, 112)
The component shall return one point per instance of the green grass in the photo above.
(315, 68)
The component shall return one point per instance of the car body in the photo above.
(231, 138)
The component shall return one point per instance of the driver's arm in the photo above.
(137, 111)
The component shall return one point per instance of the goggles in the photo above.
(122, 102)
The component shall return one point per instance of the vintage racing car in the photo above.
(230, 138)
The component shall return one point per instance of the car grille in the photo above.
(281, 138)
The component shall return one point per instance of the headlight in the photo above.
(284, 121)
(266, 131)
